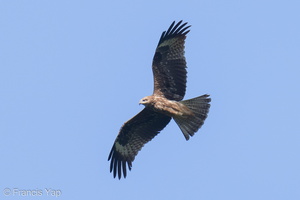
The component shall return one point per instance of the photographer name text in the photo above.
(32, 192)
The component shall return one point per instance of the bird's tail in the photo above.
(191, 124)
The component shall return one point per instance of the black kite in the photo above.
(169, 71)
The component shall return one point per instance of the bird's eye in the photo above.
(144, 100)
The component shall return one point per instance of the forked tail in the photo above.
(191, 124)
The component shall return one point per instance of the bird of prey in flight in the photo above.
(169, 71)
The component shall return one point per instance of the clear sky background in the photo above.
(72, 72)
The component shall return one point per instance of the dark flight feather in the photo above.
(169, 65)
(133, 135)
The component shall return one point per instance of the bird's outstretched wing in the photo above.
(133, 135)
(169, 65)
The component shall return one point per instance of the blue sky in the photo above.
(72, 72)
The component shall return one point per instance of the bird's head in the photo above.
(146, 100)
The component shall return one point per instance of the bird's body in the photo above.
(166, 102)
(167, 107)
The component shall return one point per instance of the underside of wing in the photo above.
(133, 135)
(169, 65)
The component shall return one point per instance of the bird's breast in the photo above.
(171, 108)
